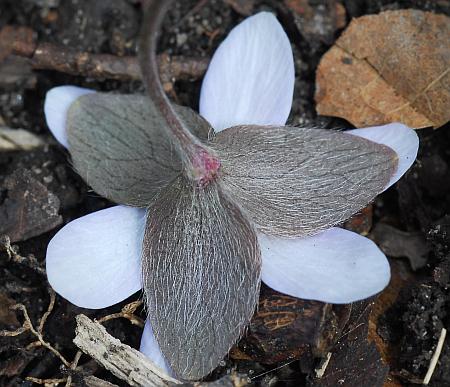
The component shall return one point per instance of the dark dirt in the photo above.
(409, 325)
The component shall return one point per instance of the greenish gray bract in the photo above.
(119, 145)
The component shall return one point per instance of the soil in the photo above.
(407, 319)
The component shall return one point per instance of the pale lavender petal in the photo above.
(402, 139)
(336, 266)
(56, 105)
(150, 348)
(94, 261)
(250, 79)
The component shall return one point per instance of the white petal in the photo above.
(150, 348)
(400, 138)
(56, 105)
(336, 266)
(250, 79)
(95, 261)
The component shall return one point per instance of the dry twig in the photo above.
(24, 328)
(435, 357)
(126, 312)
(28, 325)
(73, 366)
(13, 255)
(320, 371)
(49, 310)
(22, 41)
(46, 382)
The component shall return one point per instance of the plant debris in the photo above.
(397, 243)
(391, 67)
(20, 41)
(18, 139)
(354, 362)
(286, 328)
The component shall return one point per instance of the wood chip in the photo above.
(92, 381)
(388, 67)
(123, 361)
(18, 139)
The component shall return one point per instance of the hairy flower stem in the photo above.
(200, 164)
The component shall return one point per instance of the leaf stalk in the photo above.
(200, 163)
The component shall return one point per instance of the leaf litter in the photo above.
(390, 67)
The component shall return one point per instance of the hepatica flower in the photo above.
(205, 214)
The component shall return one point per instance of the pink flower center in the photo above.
(206, 167)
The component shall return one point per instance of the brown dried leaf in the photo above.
(354, 362)
(286, 328)
(397, 243)
(388, 67)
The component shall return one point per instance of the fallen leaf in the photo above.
(286, 328)
(354, 362)
(389, 67)
(401, 277)
(397, 243)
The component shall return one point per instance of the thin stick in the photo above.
(12, 251)
(17, 332)
(29, 325)
(74, 364)
(49, 310)
(126, 312)
(47, 382)
(273, 370)
(22, 41)
(435, 357)
(321, 370)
